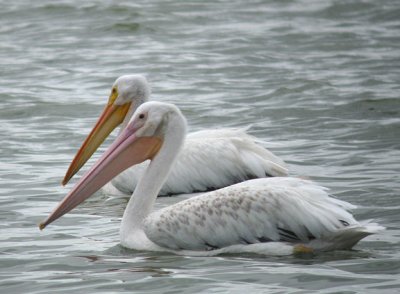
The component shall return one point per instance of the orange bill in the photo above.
(112, 116)
(127, 150)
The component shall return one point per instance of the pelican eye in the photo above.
(113, 95)
(141, 116)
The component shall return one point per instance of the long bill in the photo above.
(127, 150)
(112, 116)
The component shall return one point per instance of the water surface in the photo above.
(318, 80)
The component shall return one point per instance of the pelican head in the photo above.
(141, 140)
(127, 93)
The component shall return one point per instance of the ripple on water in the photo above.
(317, 80)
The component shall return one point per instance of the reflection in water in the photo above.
(155, 272)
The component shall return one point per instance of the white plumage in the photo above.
(287, 210)
(276, 216)
(210, 159)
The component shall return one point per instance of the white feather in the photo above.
(211, 159)
(254, 212)
(256, 215)
(292, 212)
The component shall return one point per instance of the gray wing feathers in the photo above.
(255, 211)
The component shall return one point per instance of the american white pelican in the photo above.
(279, 215)
(210, 159)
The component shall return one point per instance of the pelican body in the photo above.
(210, 159)
(279, 215)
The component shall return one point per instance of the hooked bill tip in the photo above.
(65, 179)
(42, 226)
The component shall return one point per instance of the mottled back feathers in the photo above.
(261, 210)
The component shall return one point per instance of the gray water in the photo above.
(318, 80)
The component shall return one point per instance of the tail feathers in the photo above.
(259, 160)
(274, 169)
(345, 238)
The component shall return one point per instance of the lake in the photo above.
(317, 80)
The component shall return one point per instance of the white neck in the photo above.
(142, 200)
